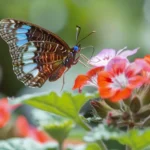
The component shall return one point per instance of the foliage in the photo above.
(59, 131)
(26, 144)
(67, 105)
(136, 139)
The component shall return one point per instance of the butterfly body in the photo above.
(37, 54)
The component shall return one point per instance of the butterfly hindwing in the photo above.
(35, 62)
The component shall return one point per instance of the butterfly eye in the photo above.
(75, 48)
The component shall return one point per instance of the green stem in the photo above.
(128, 148)
(60, 145)
(102, 145)
(83, 125)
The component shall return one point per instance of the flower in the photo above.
(5, 111)
(106, 55)
(90, 79)
(144, 63)
(119, 79)
(24, 129)
(4, 116)
(115, 77)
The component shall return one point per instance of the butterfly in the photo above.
(37, 54)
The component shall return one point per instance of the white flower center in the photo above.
(119, 81)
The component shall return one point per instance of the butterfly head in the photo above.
(76, 48)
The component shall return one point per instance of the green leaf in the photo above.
(59, 131)
(26, 144)
(136, 139)
(67, 105)
(76, 147)
(92, 146)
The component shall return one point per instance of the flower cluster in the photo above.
(21, 128)
(115, 77)
(124, 88)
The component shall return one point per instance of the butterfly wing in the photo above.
(17, 33)
(37, 54)
(35, 62)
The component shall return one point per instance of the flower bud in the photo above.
(135, 104)
(101, 108)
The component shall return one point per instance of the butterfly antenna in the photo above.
(90, 46)
(85, 37)
(78, 30)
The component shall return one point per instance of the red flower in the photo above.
(5, 111)
(90, 79)
(24, 129)
(4, 116)
(147, 59)
(41, 136)
(119, 79)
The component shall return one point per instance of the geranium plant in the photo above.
(118, 110)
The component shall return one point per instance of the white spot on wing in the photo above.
(29, 61)
(34, 72)
(12, 26)
(29, 67)
(32, 48)
(27, 55)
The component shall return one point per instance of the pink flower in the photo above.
(119, 79)
(106, 55)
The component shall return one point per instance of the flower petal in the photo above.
(80, 81)
(121, 94)
(143, 64)
(106, 92)
(39, 135)
(5, 103)
(94, 71)
(127, 53)
(117, 65)
(4, 116)
(102, 58)
(133, 69)
(22, 127)
(136, 81)
(147, 59)
(104, 79)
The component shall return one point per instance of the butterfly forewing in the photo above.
(21, 32)
(37, 54)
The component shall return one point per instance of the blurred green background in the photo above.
(118, 23)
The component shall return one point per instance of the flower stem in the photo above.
(60, 145)
(128, 148)
(83, 125)
(102, 145)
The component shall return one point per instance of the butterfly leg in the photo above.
(64, 79)
(76, 60)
